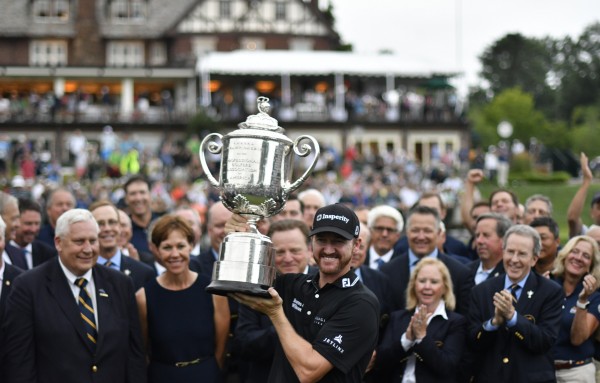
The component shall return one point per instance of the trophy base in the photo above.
(227, 287)
(245, 266)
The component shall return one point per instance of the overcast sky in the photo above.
(455, 32)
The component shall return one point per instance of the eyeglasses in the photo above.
(381, 229)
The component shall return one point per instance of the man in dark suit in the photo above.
(375, 280)
(216, 218)
(36, 252)
(422, 231)
(451, 245)
(385, 224)
(489, 232)
(57, 202)
(514, 318)
(70, 320)
(9, 211)
(7, 274)
(107, 217)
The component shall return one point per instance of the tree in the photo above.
(518, 61)
(577, 71)
(518, 108)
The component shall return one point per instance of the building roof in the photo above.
(16, 20)
(275, 62)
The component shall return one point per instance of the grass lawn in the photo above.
(560, 195)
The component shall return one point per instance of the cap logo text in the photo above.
(333, 217)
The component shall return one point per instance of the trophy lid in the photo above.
(262, 120)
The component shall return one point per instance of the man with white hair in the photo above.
(70, 320)
(386, 224)
(313, 200)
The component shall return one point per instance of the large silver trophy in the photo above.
(256, 167)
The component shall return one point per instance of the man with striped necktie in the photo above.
(70, 320)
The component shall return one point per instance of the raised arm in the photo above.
(474, 176)
(576, 207)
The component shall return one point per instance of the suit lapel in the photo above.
(526, 298)
(59, 289)
(104, 294)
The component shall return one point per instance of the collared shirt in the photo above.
(2, 277)
(340, 320)
(6, 258)
(409, 371)
(413, 259)
(196, 250)
(374, 257)
(488, 326)
(27, 251)
(358, 273)
(481, 274)
(91, 288)
(160, 269)
(115, 260)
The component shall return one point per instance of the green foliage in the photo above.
(516, 107)
(520, 163)
(530, 177)
(561, 75)
(517, 61)
(584, 135)
(201, 122)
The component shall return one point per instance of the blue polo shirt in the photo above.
(563, 349)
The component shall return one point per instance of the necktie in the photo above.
(380, 262)
(87, 312)
(513, 290)
(110, 264)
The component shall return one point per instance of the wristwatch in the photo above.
(583, 306)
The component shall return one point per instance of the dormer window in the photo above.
(125, 11)
(280, 11)
(51, 10)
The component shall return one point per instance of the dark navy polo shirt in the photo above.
(563, 349)
(340, 320)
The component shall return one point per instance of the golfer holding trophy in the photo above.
(256, 167)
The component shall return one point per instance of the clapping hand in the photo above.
(417, 328)
(504, 307)
(590, 284)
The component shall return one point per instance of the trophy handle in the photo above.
(303, 151)
(214, 148)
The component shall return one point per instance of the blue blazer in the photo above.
(45, 339)
(10, 273)
(520, 353)
(139, 272)
(437, 356)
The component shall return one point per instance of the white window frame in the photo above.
(129, 54)
(46, 53)
(56, 11)
(128, 11)
(158, 53)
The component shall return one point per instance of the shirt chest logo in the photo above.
(297, 305)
